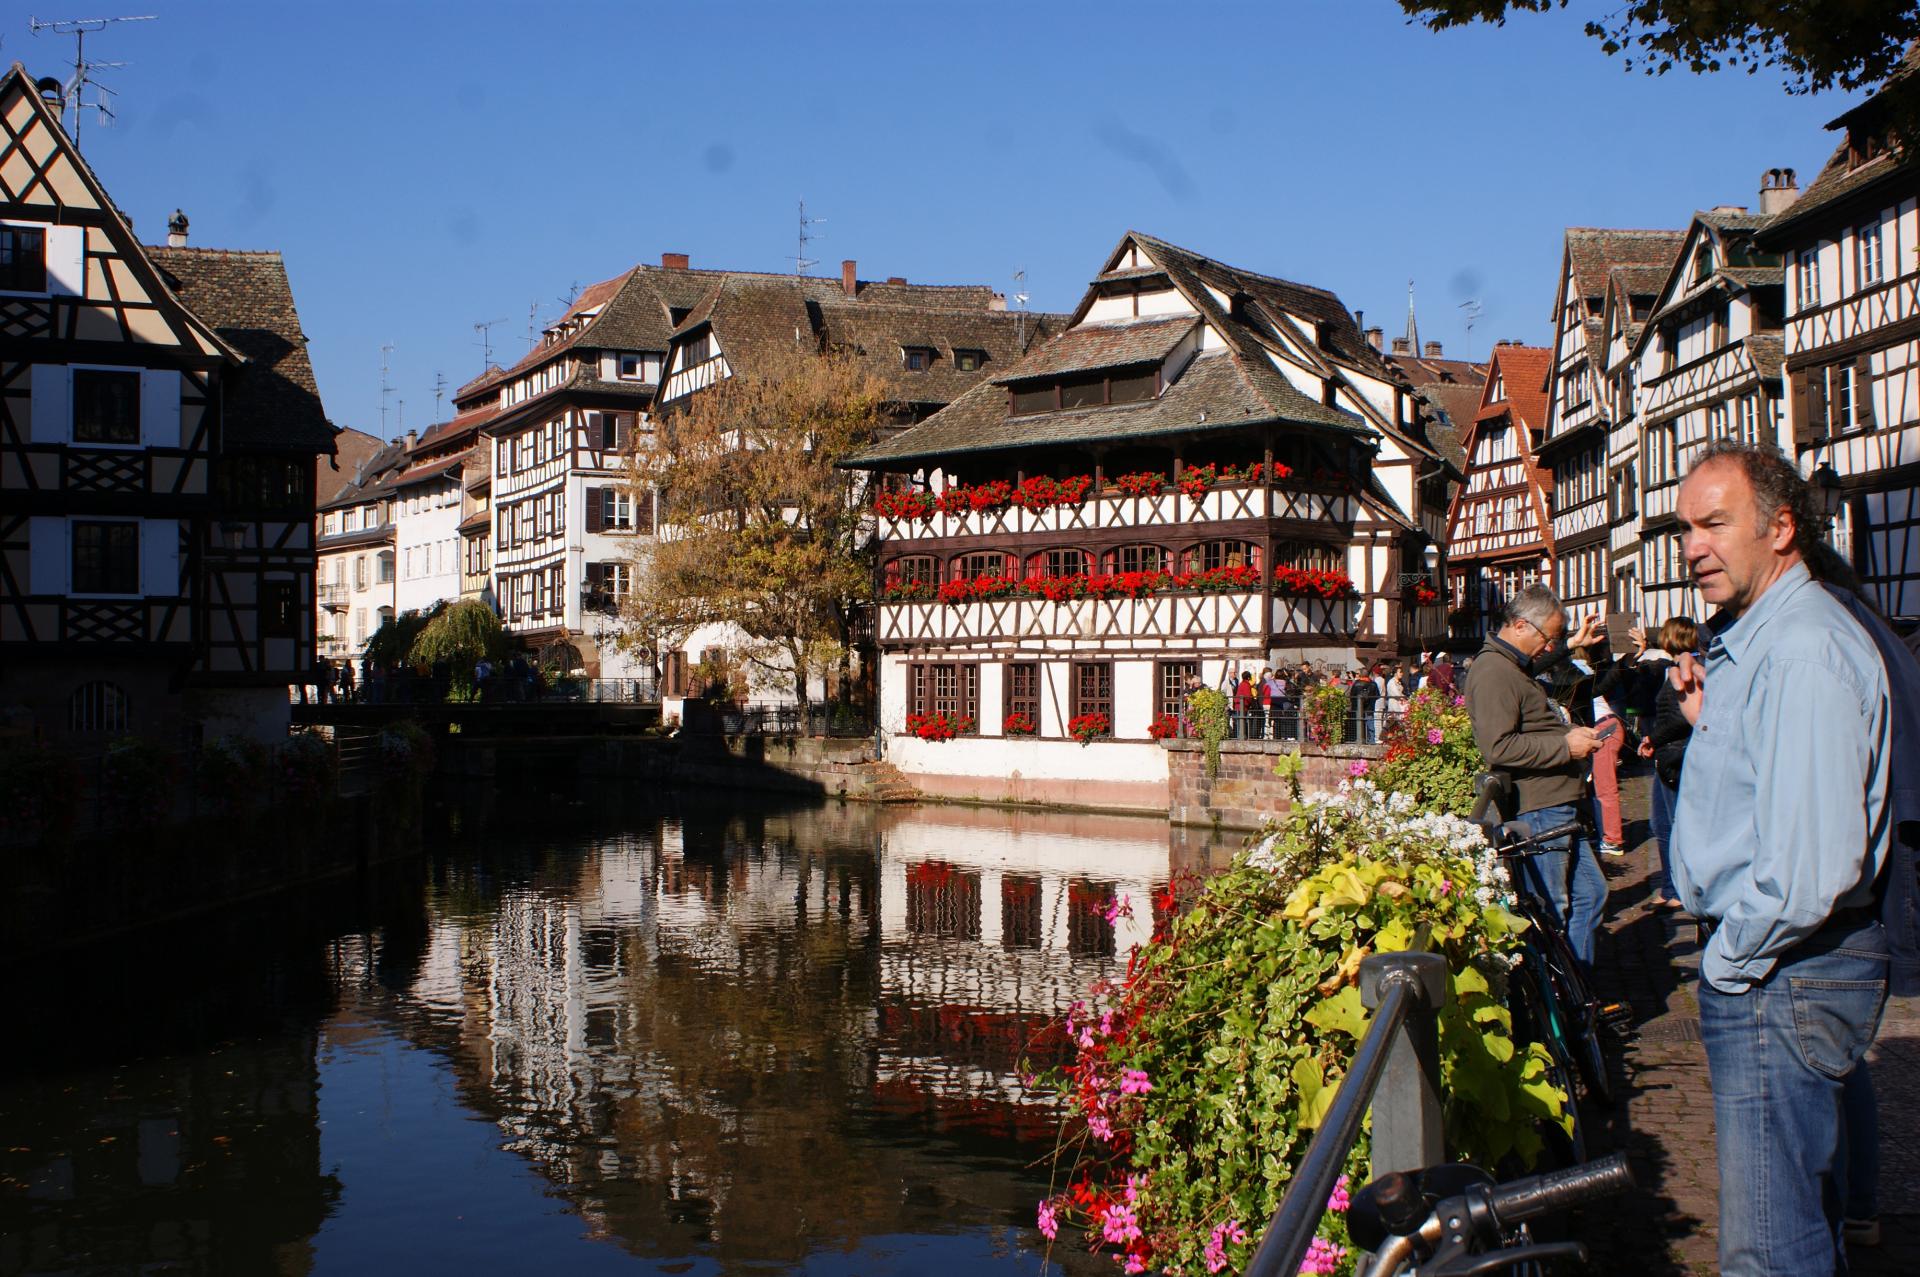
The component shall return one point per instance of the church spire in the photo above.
(1413, 328)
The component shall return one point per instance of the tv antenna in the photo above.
(386, 387)
(801, 262)
(1020, 298)
(1473, 309)
(74, 90)
(533, 319)
(484, 328)
(439, 392)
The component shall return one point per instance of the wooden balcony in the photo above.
(1170, 616)
(1222, 504)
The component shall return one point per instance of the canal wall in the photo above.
(1246, 793)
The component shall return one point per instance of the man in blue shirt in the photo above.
(1784, 823)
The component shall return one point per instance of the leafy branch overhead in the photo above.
(1819, 44)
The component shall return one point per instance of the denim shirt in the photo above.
(1785, 811)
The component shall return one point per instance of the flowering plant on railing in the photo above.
(1197, 481)
(1095, 585)
(1422, 593)
(940, 726)
(909, 591)
(967, 589)
(1041, 493)
(1320, 583)
(971, 498)
(1325, 711)
(1141, 483)
(916, 504)
(1235, 1025)
(1431, 752)
(1164, 727)
(1090, 727)
(1019, 723)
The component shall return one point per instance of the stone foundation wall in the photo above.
(1246, 794)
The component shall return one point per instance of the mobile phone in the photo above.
(1608, 730)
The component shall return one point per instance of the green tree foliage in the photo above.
(1818, 44)
(460, 634)
(765, 532)
(392, 643)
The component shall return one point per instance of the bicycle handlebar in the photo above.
(1534, 844)
(1529, 1198)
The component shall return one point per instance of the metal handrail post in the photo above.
(1398, 987)
(1407, 1130)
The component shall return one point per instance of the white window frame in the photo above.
(1869, 255)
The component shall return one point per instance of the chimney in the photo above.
(1433, 350)
(177, 230)
(849, 284)
(1402, 346)
(1778, 190)
(53, 94)
(673, 261)
(1377, 338)
(896, 279)
(412, 439)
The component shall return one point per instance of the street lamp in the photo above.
(1828, 491)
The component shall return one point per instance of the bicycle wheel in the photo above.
(1534, 1021)
(1579, 1014)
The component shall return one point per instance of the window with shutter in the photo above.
(1863, 416)
(596, 509)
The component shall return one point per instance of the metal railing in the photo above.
(1361, 725)
(1396, 1073)
(787, 720)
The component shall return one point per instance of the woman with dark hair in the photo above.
(1666, 745)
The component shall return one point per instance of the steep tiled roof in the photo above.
(351, 449)
(1215, 392)
(446, 432)
(1090, 347)
(272, 402)
(1594, 252)
(1769, 352)
(1834, 184)
(369, 479)
(1523, 374)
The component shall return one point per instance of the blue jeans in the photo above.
(1664, 798)
(1568, 879)
(1862, 1109)
(1779, 1055)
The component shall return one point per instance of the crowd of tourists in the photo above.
(1784, 739)
(1270, 703)
(511, 681)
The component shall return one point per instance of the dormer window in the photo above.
(1085, 390)
(969, 360)
(697, 351)
(23, 259)
(917, 358)
(1702, 264)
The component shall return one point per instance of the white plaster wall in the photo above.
(430, 536)
(1133, 697)
(1121, 762)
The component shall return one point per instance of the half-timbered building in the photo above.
(159, 425)
(1499, 533)
(1587, 451)
(1851, 245)
(1208, 470)
(432, 503)
(1708, 367)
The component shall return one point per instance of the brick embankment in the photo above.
(1663, 1117)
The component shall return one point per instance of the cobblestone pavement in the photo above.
(1663, 1115)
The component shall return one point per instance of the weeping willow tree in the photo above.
(460, 635)
(765, 533)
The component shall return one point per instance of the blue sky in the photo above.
(425, 167)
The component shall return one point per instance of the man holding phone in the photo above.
(1522, 732)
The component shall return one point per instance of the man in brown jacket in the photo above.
(1521, 732)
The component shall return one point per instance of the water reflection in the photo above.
(713, 1041)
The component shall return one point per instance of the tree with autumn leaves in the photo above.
(762, 531)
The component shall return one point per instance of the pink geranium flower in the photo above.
(1435, 736)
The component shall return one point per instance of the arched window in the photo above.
(910, 568)
(967, 567)
(1060, 562)
(1209, 555)
(98, 706)
(1139, 558)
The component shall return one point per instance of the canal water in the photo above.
(767, 1040)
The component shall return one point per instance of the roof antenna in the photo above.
(74, 89)
(386, 388)
(1020, 310)
(801, 261)
(1473, 308)
(533, 317)
(439, 392)
(484, 328)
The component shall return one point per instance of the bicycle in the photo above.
(1553, 999)
(1455, 1221)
